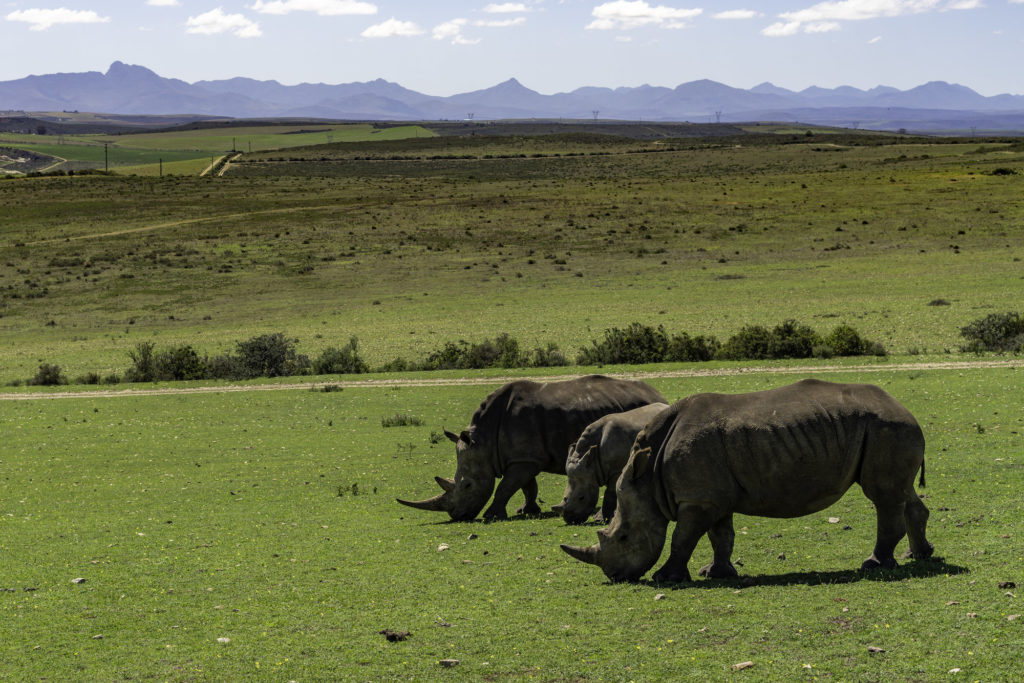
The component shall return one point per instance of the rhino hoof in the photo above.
(927, 553)
(665, 575)
(529, 509)
(872, 563)
(718, 571)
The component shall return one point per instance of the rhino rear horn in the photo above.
(589, 555)
(438, 503)
(447, 484)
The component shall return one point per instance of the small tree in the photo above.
(48, 375)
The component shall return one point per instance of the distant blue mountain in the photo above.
(128, 89)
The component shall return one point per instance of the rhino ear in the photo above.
(451, 437)
(466, 436)
(590, 454)
(640, 462)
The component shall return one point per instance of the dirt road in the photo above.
(349, 383)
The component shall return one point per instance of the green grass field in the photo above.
(182, 151)
(429, 247)
(255, 536)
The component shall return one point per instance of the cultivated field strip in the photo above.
(486, 381)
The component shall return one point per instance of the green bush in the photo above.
(1002, 332)
(845, 341)
(401, 420)
(48, 375)
(684, 348)
(636, 345)
(343, 361)
(752, 342)
(270, 355)
(793, 340)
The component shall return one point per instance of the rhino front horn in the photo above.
(588, 555)
(436, 504)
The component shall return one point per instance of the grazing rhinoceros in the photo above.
(520, 430)
(786, 452)
(596, 460)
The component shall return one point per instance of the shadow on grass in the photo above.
(915, 569)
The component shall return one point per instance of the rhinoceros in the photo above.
(596, 460)
(520, 430)
(785, 452)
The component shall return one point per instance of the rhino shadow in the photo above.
(482, 522)
(916, 569)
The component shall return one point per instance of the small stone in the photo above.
(872, 648)
(442, 547)
(954, 671)
(449, 663)
(224, 640)
(659, 596)
(1007, 584)
(472, 537)
(833, 520)
(847, 527)
(1013, 617)
(98, 636)
(394, 636)
(81, 580)
(952, 602)
(782, 556)
(972, 615)
(742, 665)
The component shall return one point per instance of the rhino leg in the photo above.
(608, 505)
(892, 527)
(691, 524)
(530, 507)
(722, 537)
(517, 476)
(916, 515)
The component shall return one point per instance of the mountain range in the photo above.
(130, 89)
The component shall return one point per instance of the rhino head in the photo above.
(632, 542)
(464, 496)
(583, 487)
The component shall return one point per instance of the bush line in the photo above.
(276, 355)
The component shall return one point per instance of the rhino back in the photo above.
(618, 433)
(541, 421)
(785, 452)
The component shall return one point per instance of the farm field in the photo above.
(254, 535)
(409, 244)
(140, 153)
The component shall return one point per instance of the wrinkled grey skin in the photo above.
(596, 460)
(520, 430)
(786, 452)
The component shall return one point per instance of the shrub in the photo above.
(845, 341)
(637, 344)
(341, 361)
(752, 342)
(48, 375)
(995, 332)
(143, 365)
(224, 366)
(793, 340)
(502, 352)
(179, 363)
(684, 348)
(270, 355)
(548, 357)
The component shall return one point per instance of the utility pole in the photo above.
(106, 161)
(595, 113)
(718, 116)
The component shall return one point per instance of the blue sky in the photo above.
(446, 47)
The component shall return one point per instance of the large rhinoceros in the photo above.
(520, 430)
(596, 460)
(786, 452)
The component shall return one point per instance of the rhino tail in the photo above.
(920, 481)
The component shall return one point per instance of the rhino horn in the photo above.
(557, 507)
(438, 503)
(447, 484)
(589, 555)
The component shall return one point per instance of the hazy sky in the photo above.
(442, 47)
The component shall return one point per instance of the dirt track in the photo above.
(474, 381)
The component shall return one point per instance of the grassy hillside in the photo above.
(409, 244)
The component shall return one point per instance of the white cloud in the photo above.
(42, 19)
(162, 3)
(501, 23)
(392, 28)
(324, 8)
(449, 29)
(964, 4)
(629, 14)
(506, 7)
(216, 22)
(876, 39)
(736, 14)
(826, 16)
